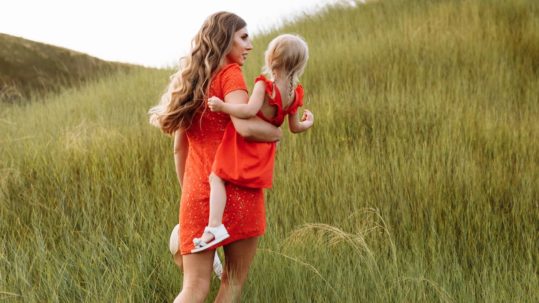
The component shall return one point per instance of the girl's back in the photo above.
(276, 105)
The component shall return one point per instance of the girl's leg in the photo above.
(217, 204)
(197, 270)
(217, 200)
(238, 258)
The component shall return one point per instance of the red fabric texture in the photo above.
(244, 215)
(250, 164)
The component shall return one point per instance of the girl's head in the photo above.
(222, 39)
(287, 56)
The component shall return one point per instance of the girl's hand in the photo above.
(307, 119)
(215, 104)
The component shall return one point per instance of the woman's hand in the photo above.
(215, 104)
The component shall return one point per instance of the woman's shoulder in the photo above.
(229, 78)
(230, 69)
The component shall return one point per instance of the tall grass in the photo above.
(418, 183)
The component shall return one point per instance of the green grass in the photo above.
(418, 183)
(30, 69)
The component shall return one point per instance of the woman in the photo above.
(212, 69)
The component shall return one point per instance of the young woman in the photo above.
(213, 68)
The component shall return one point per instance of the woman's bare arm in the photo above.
(243, 111)
(253, 128)
(181, 148)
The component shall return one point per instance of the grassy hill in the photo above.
(418, 183)
(29, 68)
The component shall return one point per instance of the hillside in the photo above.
(418, 183)
(31, 68)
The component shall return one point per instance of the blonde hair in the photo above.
(288, 54)
(188, 87)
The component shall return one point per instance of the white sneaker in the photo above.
(174, 246)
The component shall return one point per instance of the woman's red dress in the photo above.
(244, 215)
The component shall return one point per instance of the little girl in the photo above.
(247, 163)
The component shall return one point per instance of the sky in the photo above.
(145, 32)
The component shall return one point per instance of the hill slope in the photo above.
(32, 68)
(418, 183)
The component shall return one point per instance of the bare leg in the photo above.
(178, 260)
(217, 204)
(217, 200)
(238, 258)
(174, 245)
(197, 270)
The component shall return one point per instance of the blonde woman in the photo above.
(213, 68)
(251, 163)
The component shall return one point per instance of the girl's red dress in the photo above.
(244, 215)
(247, 163)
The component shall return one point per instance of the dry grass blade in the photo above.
(303, 263)
(442, 293)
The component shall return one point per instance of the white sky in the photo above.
(146, 32)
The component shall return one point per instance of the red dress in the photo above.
(248, 163)
(244, 215)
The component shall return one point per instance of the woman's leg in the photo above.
(177, 256)
(178, 260)
(197, 270)
(238, 258)
(174, 245)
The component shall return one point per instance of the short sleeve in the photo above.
(268, 89)
(267, 83)
(298, 102)
(232, 79)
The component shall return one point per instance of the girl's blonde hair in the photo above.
(188, 87)
(287, 54)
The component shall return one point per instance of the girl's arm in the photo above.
(254, 128)
(181, 148)
(297, 126)
(243, 111)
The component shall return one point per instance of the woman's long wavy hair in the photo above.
(188, 87)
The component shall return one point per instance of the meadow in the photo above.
(418, 183)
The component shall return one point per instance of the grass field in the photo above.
(418, 183)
